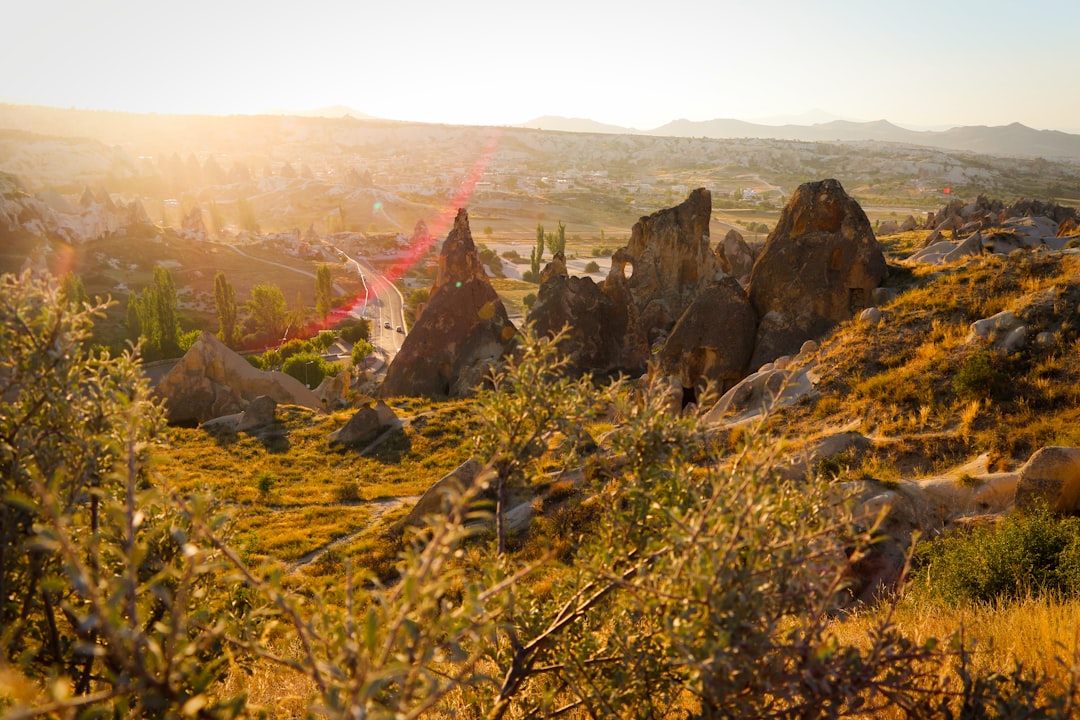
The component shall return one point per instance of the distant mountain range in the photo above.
(1015, 139)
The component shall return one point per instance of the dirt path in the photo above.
(379, 508)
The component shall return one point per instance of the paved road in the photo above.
(385, 308)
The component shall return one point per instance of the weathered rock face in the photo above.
(1050, 478)
(462, 331)
(365, 425)
(734, 255)
(333, 391)
(211, 380)
(259, 413)
(431, 503)
(713, 340)
(670, 254)
(597, 322)
(820, 265)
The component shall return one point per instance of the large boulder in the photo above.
(735, 256)
(365, 425)
(820, 266)
(259, 413)
(713, 340)
(672, 261)
(432, 501)
(463, 330)
(597, 319)
(1050, 478)
(333, 392)
(211, 380)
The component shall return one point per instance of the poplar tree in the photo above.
(324, 290)
(225, 302)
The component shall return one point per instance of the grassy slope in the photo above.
(291, 494)
(897, 381)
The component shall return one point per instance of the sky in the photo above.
(634, 63)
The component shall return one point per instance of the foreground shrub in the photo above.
(1024, 555)
(704, 588)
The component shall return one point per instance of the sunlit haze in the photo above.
(632, 63)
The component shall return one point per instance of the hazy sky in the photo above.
(637, 63)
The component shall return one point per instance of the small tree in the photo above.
(157, 311)
(537, 254)
(360, 352)
(225, 303)
(268, 310)
(324, 290)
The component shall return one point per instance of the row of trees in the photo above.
(153, 314)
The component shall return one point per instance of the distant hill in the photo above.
(578, 125)
(333, 111)
(1014, 139)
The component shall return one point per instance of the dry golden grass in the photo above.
(898, 379)
(1042, 634)
(290, 493)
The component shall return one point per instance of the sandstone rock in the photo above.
(672, 260)
(259, 412)
(333, 391)
(820, 265)
(734, 255)
(883, 295)
(994, 327)
(599, 320)
(889, 227)
(760, 393)
(432, 501)
(463, 330)
(1050, 478)
(365, 425)
(870, 316)
(909, 224)
(211, 380)
(933, 254)
(972, 246)
(1015, 340)
(713, 340)
(806, 460)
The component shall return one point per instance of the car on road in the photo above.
(400, 330)
(386, 325)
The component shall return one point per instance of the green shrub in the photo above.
(360, 351)
(295, 347)
(592, 266)
(324, 340)
(1024, 555)
(980, 378)
(306, 367)
(354, 329)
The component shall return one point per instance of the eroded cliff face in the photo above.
(671, 258)
(819, 266)
(463, 330)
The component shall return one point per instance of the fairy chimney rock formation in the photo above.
(596, 318)
(463, 330)
(672, 261)
(819, 266)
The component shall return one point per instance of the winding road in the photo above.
(384, 307)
